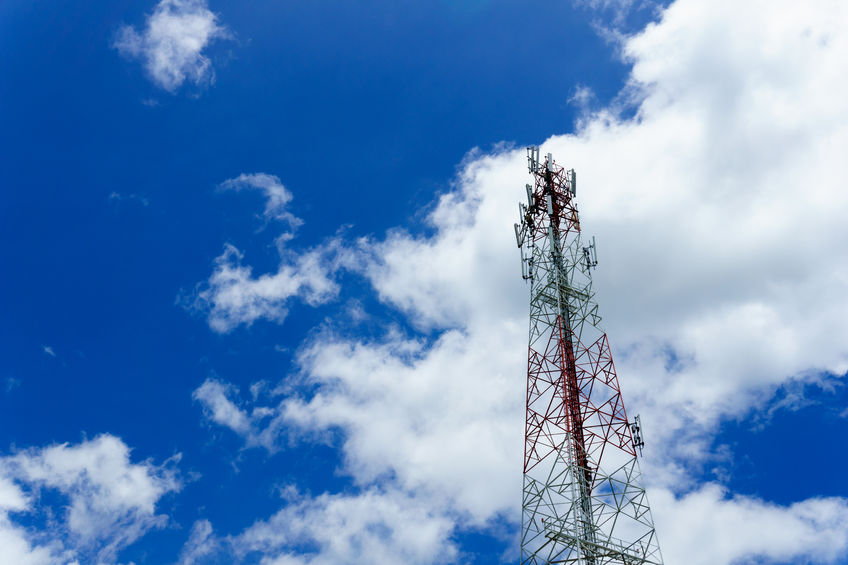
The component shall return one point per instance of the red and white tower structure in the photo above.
(583, 500)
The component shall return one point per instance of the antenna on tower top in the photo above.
(533, 159)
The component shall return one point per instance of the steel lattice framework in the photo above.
(583, 500)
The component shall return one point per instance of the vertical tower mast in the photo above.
(583, 501)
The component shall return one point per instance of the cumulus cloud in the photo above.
(233, 296)
(375, 526)
(422, 412)
(15, 545)
(718, 206)
(737, 529)
(17, 548)
(372, 527)
(440, 417)
(172, 42)
(107, 502)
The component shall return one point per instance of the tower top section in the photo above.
(551, 210)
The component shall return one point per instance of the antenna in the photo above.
(520, 234)
(590, 255)
(533, 159)
(636, 430)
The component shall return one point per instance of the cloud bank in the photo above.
(717, 201)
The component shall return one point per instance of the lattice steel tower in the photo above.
(583, 500)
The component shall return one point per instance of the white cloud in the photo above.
(14, 545)
(707, 527)
(440, 417)
(16, 548)
(135, 198)
(11, 384)
(617, 12)
(233, 296)
(260, 427)
(109, 501)
(719, 211)
(48, 350)
(276, 195)
(201, 543)
(172, 42)
(11, 496)
(375, 527)
(214, 396)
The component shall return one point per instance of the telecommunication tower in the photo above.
(583, 501)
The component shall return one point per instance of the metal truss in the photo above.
(583, 500)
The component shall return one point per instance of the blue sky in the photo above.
(260, 301)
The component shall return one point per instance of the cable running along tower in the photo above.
(583, 500)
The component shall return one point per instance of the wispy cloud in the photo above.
(612, 15)
(118, 197)
(201, 544)
(277, 197)
(12, 383)
(214, 396)
(48, 350)
(172, 42)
